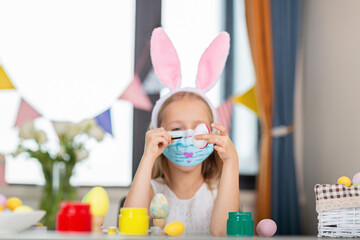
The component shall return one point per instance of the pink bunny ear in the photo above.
(212, 62)
(165, 59)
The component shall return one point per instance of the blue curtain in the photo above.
(286, 18)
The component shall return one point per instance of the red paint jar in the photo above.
(73, 217)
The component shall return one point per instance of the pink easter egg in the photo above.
(356, 178)
(357, 175)
(356, 181)
(266, 228)
(3, 200)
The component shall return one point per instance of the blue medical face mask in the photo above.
(183, 152)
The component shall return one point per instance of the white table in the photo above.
(51, 235)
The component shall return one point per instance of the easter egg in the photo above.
(356, 181)
(23, 208)
(13, 203)
(2, 200)
(2, 208)
(344, 180)
(357, 175)
(266, 228)
(200, 129)
(356, 178)
(159, 206)
(99, 201)
(174, 228)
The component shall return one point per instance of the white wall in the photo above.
(331, 96)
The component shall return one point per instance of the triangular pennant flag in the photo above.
(5, 82)
(136, 95)
(224, 113)
(104, 121)
(152, 84)
(248, 99)
(2, 170)
(26, 113)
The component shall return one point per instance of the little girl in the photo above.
(201, 185)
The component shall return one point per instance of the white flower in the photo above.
(62, 151)
(85, 125)
(40, 136)
(20, 149)
(2, 158)
(73, 131)
(27, 130)
(96, 132)
(81, 154)
(61, 127)
(68, 129)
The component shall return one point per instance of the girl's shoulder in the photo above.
(158, 180)
(158, 185)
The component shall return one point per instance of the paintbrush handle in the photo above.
(173, 138)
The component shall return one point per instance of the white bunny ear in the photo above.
(165, 59)
(212, 62)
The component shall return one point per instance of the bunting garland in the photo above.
(5, 82)
(136, 95)
(224, 112)
(104, 121)
(25, 114)
(248, 99)
(133, 93)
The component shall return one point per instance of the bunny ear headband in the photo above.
(167, 67)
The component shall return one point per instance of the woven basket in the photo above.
(339, 223)
(338, 208)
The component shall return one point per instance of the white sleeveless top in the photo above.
(194, 213)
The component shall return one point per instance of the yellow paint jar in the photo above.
(133, 221)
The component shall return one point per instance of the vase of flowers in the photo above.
(57, 160)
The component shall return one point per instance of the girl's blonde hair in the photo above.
(211, 168)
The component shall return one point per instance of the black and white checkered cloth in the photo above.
(336, 196)
(330, 191)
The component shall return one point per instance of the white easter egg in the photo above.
(201, 129)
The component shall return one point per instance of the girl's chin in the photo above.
(183, 168)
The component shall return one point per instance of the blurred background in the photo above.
(288, 94)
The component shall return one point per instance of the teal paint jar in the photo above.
(240, 224)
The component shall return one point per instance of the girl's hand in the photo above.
(156, 140)
(222, 143)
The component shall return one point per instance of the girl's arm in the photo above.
(227, 199)
(141, 193)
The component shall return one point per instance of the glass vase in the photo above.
(57, 188)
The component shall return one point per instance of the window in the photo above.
(70, 60)
(245, 122)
